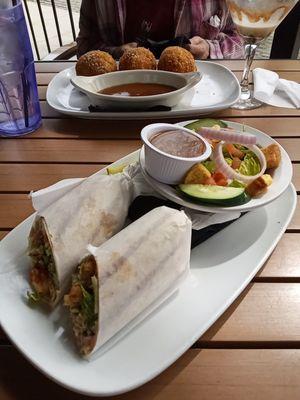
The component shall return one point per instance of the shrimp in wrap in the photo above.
(127, 274)
(92, 212)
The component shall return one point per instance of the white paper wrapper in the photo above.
(88, 212)
(200, 220)
(139, 265)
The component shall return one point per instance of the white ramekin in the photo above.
(164, 167)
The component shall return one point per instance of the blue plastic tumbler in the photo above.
(19, 103)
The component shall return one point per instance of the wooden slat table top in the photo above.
(253, 350)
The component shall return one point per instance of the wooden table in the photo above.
(253, 350)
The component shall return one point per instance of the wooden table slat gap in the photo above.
(14, 192)
(239, 116)
(223, 344)
(105, 137)
(276, 279)
(59, 162)
(116, 139)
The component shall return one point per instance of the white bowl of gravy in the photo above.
(170, 151)
(136, 89)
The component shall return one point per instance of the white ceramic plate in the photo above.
(216, 279)
(218, 89)
(282, 177)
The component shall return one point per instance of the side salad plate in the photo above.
(282, 177)
(213, 283)
(217, 90)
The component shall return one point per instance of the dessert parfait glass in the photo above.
(255, 20)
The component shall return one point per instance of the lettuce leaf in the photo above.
(211, 166)
(250, 165)
(237, 184)
(33, 298)
(88, 307)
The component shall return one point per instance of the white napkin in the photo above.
(215, 21)
(44, 197)
(271, 89)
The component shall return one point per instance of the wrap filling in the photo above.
(83, 304)
(43, 275)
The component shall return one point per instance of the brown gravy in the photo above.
(178, 143)
(138, 89)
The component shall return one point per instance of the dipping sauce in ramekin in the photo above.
(170, 151)
(179, 143)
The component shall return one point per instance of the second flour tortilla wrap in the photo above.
(127, 274)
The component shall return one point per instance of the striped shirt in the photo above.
(102, 26)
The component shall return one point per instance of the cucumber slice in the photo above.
(217, 195)
(206, 122)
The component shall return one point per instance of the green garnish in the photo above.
(33, 298)
(88, 307)
(211, 166)
(237, 184)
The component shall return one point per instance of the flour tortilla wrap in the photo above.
(127, 274)
(92, 212)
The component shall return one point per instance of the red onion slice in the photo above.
(228, 135)
(229, 172)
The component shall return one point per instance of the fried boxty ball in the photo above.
(95, 62)
(137, 58)
(177, 59)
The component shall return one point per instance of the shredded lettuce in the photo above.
(250, 165)
(33, 298)
(96, 295)
(237, 184)
(211, 166)
(88, 307)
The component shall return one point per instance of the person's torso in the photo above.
(158, 14)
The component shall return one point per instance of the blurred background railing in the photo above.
(53, 26)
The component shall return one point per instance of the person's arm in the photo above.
(89, 37)
(199, 47)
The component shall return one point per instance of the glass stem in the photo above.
(250, 53)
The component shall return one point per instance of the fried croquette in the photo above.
(95, 62)
(137, 58)
(177, 59)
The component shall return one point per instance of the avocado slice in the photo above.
(205, 122)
